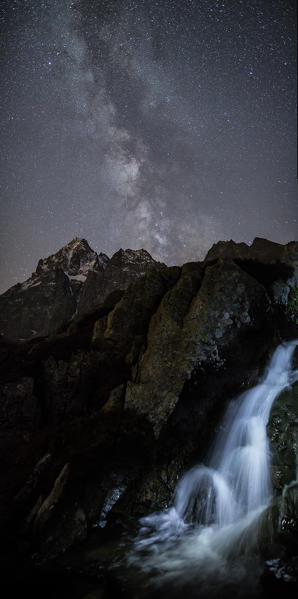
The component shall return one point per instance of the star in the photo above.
(128, 119)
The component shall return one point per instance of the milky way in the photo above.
(166, 125)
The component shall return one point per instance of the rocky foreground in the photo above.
(114, 375)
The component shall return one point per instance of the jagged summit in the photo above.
(136, 259)
(124, 267)
(76, 258)
(134, 255)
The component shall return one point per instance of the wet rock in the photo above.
(283, 573)
(48, 505)
(282, 430)
(283, 435)
(288, 514)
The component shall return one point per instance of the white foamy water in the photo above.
(218, 509)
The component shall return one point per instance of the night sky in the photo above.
(163, 124)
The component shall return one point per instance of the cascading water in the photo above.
(218, 509)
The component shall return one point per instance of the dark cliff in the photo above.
(133, 364)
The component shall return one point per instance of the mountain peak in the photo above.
(76, 258)
(77, 242)
(132, 256)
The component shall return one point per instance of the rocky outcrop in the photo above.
(261, 250)
(274, 265)
(99, 419)
(196, 328)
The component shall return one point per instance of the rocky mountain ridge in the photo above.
(65, 284)
(76, 279)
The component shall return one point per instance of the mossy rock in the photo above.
(292, 305)
(283, 434)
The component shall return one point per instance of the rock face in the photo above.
(37, 307)
(194, 334)
(283, 435)
(20, 409)
(100, 419)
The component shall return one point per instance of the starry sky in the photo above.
(162, 124)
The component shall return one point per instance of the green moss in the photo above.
(292, 306)
(283, 438)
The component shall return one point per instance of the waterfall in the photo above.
(217, 511)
